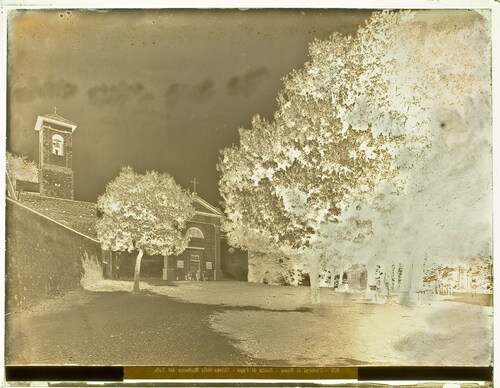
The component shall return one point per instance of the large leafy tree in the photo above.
(291, 176)
(362, 126)
(436, 105)
(144, 213)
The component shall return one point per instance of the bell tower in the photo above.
(55, 155)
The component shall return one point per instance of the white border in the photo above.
(246, 4)
(3, 146)
(495, 65)
(8, 5)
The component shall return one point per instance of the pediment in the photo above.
(203, 207)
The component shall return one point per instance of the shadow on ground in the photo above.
(123, 328)
(159, 283)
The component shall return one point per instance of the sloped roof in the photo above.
(78, 215)
(203, 206)
(54, 119)
(54, 116)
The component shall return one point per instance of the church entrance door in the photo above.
(195, 264)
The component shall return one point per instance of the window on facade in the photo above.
(57, 145)
(195, 232)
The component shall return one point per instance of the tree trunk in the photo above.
(313, 262)
(404, 285)
(417, 280)
(396, 277)
(137, 271)
(395, 283)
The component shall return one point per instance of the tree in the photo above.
(146, 213)
(290, 177)
(437, 104)
(21, 168)
(361, 123)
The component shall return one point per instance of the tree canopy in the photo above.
(438, 206)
(290, 176)
(145, 212)
(21, 168)
(389, 129)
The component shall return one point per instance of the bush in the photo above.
(92, 271)
(283, 279)
(304, 279)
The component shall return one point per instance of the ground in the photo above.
(239, 323)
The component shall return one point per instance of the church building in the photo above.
(208, 256)
(202, 258)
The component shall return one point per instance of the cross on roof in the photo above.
(55, 109)
(194, 182)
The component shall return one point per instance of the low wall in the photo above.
(43, 257)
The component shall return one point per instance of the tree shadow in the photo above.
(159, 283)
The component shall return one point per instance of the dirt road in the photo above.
(122, 328)
(239, 323)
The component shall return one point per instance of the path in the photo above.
(238, 323)
(122, 328)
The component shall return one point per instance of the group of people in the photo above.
(196, 276)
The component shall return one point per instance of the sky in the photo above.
(161, 90)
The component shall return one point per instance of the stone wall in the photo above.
(56, 182)
(43, 258)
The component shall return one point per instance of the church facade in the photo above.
(202, 258)
(208, 256)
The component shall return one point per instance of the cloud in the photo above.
(147, 97)
(247, 84)
(177, 92)
(34, 89)
(116, 95)
(205, 87)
